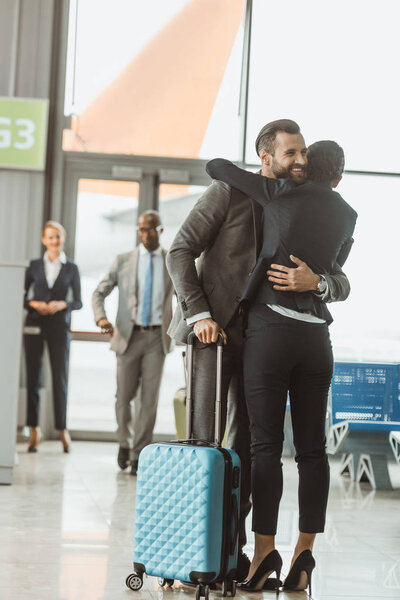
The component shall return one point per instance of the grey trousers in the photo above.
(233, 405)
(141, 364)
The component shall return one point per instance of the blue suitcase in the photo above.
(187, 506)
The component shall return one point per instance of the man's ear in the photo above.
(336, 181)
(265, 157)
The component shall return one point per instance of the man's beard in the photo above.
(281, 172)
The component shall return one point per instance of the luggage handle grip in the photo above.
(218, 387)
(192, 337)
(235, 513)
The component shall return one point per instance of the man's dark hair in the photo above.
(325, 161)
(266, 138)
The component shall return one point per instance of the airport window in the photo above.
(364, 327)
(154, 78)
(175, 203)
(308, 70)
(330, 67)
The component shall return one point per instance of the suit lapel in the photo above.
(133, 266)
(64, 268)
(42, 274)
(60, 275)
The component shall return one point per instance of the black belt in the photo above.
(148, 328)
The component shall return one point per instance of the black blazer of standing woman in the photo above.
(52, 291)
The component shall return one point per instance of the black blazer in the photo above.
(310, 221)
(68, 279)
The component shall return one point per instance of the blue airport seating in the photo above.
(394, 439)
(367, 397)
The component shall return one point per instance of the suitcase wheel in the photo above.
(228, 585)
(202, 590)
(134, 582)
(162, 581)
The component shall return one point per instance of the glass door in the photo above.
(106, 219)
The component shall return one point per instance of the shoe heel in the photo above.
(278, 577)
(309, 574)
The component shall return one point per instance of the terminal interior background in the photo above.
(141, 95)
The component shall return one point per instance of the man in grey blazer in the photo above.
(139, 338)
(223, 231)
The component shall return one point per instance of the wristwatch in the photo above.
(322, 285)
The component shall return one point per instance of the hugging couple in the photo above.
(270, 249)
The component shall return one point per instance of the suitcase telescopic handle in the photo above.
(218, 388)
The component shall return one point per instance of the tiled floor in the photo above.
(66, 533)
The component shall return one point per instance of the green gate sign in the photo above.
(23, 133)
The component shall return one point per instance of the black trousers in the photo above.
(57, 337)
(233, 405)
(284, 355)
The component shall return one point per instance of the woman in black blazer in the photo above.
(52, 290)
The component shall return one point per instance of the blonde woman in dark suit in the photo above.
(49, 282)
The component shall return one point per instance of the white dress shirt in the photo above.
(53, 267)
(157, 297)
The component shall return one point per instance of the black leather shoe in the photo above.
(243, 567)
(272, 562)
(299, 576)
(123, 457)
(134, 467)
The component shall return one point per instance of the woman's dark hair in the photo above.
(266, 138)
(325, 161)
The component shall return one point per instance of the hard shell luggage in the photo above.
(187, 506)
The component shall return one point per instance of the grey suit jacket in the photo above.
(123, 273)
(225, 231)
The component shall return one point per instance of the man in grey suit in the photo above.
(139, 338)
(224, 232)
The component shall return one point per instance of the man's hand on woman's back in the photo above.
(297, 279)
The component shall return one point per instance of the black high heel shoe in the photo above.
(300, 574)
(272, 562)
